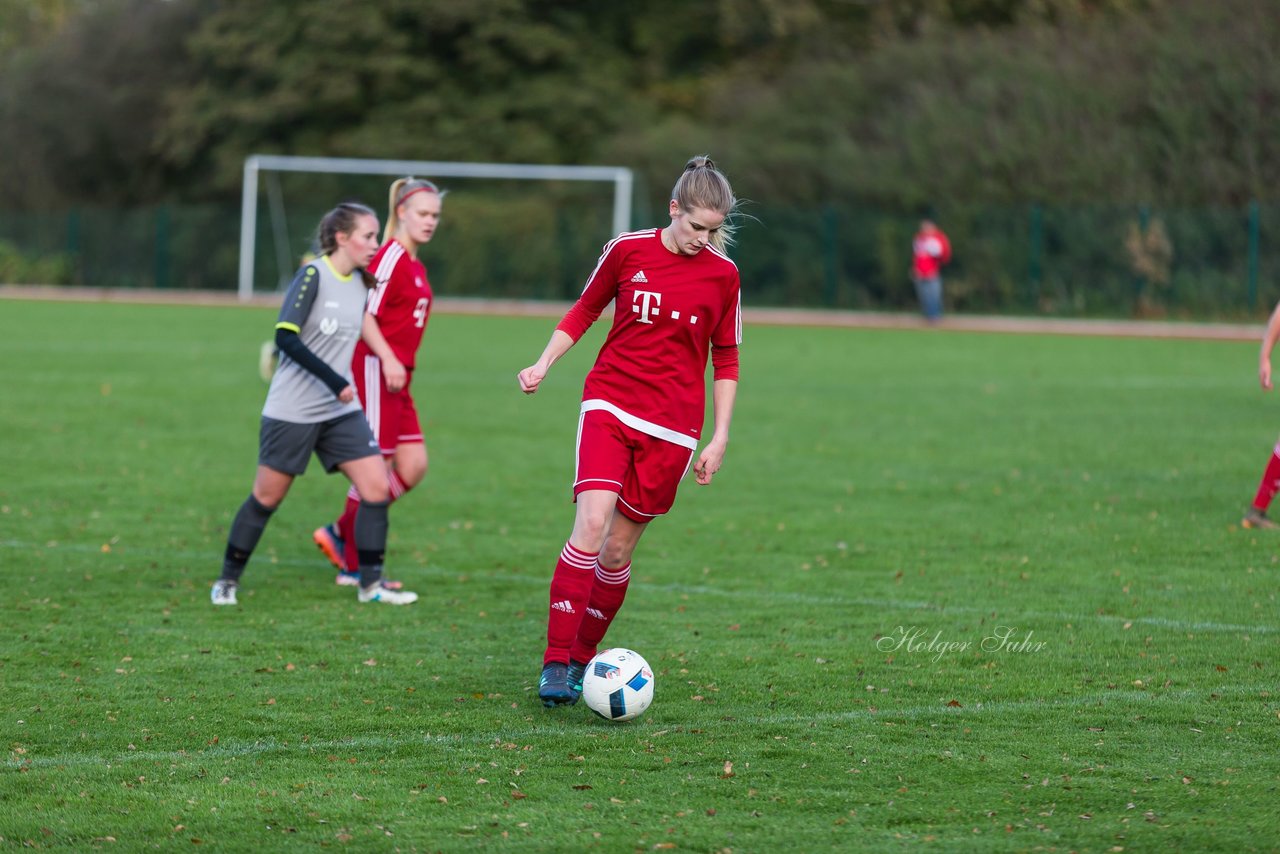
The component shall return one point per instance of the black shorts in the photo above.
(286, 446)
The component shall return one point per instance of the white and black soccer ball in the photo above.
(618, 684)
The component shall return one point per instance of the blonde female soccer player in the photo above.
(676, 296)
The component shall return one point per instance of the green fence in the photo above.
(1101, 260)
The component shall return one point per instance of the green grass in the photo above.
(1083, 492)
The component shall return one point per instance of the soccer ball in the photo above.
(618, 685)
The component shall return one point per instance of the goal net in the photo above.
(509, 230)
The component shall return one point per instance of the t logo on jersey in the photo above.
(645, 303)
(648, 304)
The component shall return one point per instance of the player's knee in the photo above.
(589, 531)
(268, 497)
(614, 554)
(413, 473)
(411, 466)
(374, 491)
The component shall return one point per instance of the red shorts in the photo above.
(392, 416)
(644, 470)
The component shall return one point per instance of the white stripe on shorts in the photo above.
(373, 391)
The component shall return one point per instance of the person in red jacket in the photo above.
(930, 251)
(395, 319)
(677, 301)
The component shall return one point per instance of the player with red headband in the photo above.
(677, 301)
(394, 322)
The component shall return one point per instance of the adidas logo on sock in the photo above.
(639, 277)
(563, 605)
(592, 612)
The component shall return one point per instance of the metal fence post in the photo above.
(830, 254)
(73, 243)
(1255, 234)
(1035, 240)
(162, 247)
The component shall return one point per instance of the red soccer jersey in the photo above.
(670, 310)
(401, 302)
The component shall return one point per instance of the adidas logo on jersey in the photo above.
(563, 605)
(639, 278)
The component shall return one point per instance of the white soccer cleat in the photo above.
(379, 593)
(223, 593)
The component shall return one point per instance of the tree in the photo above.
(25, 24)
(79, 116)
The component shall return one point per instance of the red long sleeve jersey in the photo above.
(670, 310)
(401, 302)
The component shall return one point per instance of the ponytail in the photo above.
(702, 185)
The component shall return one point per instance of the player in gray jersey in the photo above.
(312, 406)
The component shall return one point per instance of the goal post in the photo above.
(621, 177)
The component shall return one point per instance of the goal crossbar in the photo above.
(621, 177)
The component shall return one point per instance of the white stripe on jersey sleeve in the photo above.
(716, 251)
(738, 308)
(383, 274)
(738, 321)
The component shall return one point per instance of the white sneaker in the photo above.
(378, 593)
(224, 592)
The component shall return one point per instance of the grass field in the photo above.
(950, 591)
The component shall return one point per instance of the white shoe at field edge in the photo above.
(223, 592)
(378, 593)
